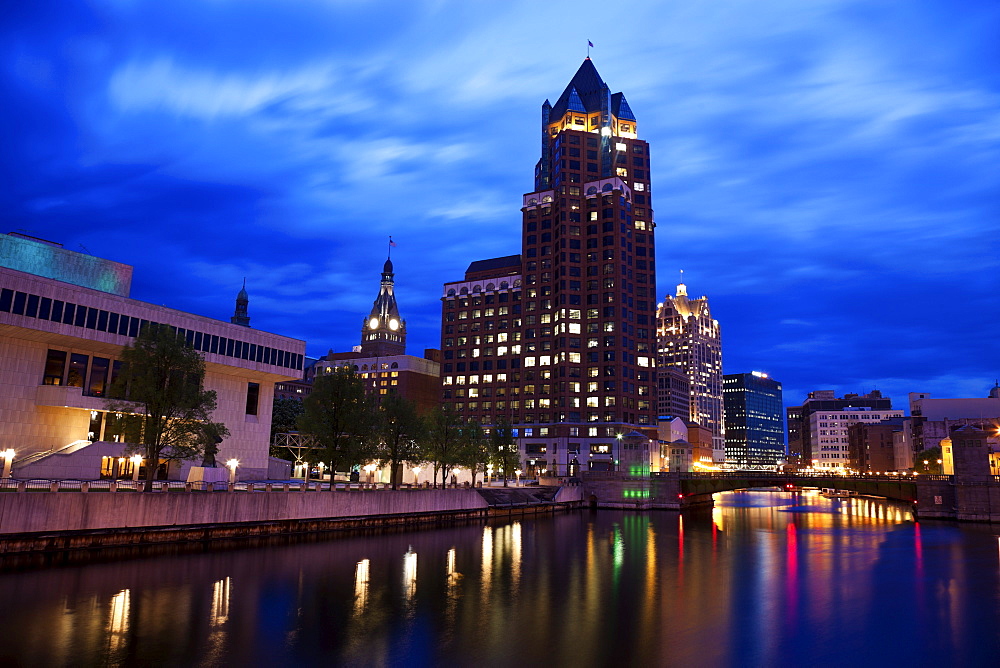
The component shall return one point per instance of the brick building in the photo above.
(559, 339)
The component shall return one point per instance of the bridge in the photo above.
(971, 498)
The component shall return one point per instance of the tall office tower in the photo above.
(559, 339)
(801, 440)
(755, 433)
(688, 337)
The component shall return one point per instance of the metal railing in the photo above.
(161, 486)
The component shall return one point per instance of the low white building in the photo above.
(828, 433)
(64, 319)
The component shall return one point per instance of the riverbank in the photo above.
(61, 521)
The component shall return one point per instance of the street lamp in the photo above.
(939, 467)
(416, 475)
(518, 474)
(489, 473)
(232, 464)
(136, 463)
(8, 460)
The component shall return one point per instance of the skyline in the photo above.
(825, 175)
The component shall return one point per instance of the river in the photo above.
(763, 579)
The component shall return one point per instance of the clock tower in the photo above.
(384, 332)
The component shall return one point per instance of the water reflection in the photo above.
(118, 612)
(761, 577)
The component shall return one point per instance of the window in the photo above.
(253, 398)
(55, 364)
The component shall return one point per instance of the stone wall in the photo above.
(29, 512)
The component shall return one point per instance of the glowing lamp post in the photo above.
(489, 473)
(416, 475)
(940, 469)
(232, 464)
(518, 473)
(136, 463)
(8, 460)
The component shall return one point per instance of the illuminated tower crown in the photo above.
(384, 332)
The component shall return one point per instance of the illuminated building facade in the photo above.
(828, 433)
(755, 430)
(687, 337)
(801, 437)
(559, 339)
(64, 319)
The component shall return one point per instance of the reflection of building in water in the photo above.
(118, 617)
(220, 602)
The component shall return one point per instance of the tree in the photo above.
(473, 451)
(284, 419)
(503, 448)
(340, 416)
(399, 429)
(932, 456)
(159, 400)
(442, 440)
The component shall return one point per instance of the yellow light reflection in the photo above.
(487, 566)
(220, 602)
(515, 556)
(118, 618)
(410, 574)
(361, 584)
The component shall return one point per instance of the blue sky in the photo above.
(824, 171)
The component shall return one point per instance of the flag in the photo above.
(391, 242)
(590, 44)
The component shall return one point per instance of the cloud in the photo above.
(161, 84)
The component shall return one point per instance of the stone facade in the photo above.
(58, 351)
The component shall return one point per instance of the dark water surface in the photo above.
(764, 579)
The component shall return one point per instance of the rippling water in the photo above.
(764, 579)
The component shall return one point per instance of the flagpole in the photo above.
(389, 255)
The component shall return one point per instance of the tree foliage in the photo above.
(158, 400)
(341, 417)
(931, 456)
(284, 418)
(399, 431)
(504, 454)
(442, 441)
(474, 451)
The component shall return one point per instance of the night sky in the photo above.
(826, 171)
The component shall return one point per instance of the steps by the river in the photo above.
(513, 496)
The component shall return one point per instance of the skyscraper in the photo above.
(559, 339)
(755, 434)
(689, 338)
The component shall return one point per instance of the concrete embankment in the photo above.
(68, 520)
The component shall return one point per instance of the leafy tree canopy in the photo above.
(158, 401)
(341, 417)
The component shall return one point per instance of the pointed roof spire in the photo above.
(240, 316)
(586, 89)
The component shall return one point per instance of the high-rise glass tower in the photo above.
(755, 431)
(559, 340)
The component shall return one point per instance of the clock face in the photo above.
(394, 324)
(373, 323)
